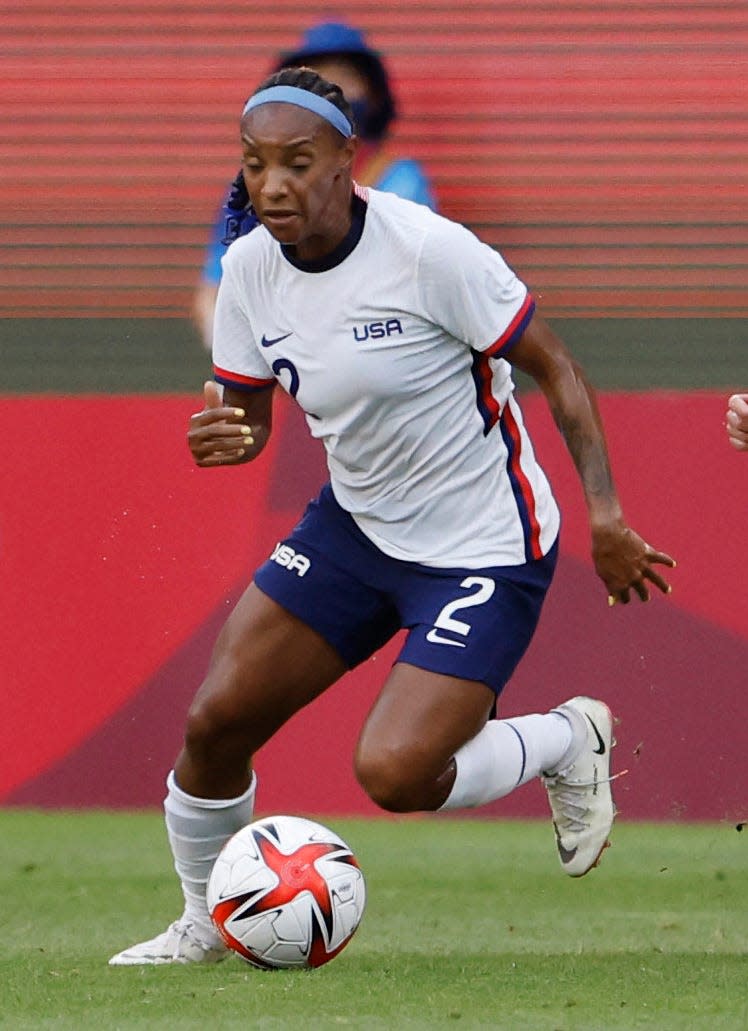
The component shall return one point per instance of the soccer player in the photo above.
(395, 330)
(339, 53)
(736, 421)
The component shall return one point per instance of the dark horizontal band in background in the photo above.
(76, 356)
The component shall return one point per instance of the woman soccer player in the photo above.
(394, 329)
(341, 54)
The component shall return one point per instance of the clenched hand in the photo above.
(217, 435)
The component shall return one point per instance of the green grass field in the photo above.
(469, 924)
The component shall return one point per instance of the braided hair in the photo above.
(308, 79)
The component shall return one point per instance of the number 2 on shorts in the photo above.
(446, 621)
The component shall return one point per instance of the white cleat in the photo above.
(178, 944)
(579, 788)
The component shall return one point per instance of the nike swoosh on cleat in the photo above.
(567, 854)
(600, 750)
(276, 340)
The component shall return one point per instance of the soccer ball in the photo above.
(286, 892)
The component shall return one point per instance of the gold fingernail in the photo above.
(239, 413)
(240, 452)
(246, 431)
(611, 599)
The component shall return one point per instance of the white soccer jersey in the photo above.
(395, 355)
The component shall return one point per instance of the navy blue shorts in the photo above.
(474, 624)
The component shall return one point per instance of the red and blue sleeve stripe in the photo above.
(235, 381)
(481, 370)
(514, 330)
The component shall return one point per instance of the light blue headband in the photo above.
(302, 98)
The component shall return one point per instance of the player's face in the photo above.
(297, 169)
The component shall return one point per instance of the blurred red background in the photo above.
(121, 560)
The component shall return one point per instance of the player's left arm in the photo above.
(623, 561)
(736, 421)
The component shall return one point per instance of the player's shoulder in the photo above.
(245, 252)
(412, 220)
(435, 243)
(391, 206)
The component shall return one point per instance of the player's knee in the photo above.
(392, 779)
(211, 723)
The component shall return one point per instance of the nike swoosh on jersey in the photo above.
(435, 638)
(276, 340)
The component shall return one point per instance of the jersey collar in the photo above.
(344, 248)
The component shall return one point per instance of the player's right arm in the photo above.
(232, 429)
(236, 420)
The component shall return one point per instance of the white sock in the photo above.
(197, 829)
(505, 754)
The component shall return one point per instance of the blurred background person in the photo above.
(340, 54)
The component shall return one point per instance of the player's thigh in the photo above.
(417, 723)
(266, 665)
(475, 624)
